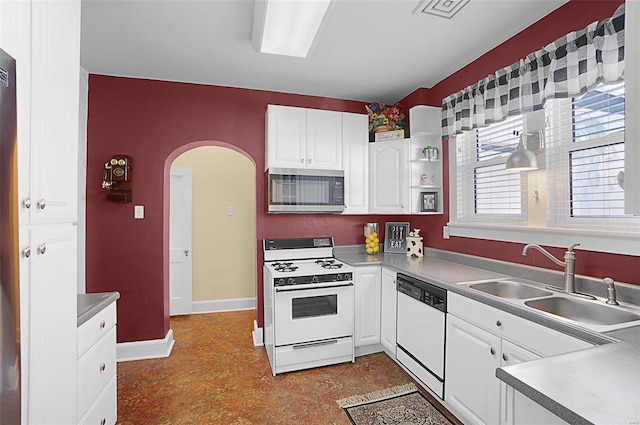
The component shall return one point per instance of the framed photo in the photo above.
(428, 201)
(395, 236)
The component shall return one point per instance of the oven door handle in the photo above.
(311, 288)
(315, 344)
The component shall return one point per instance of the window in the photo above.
(486, 190)
(585, 154)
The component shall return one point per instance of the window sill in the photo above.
(615, 242)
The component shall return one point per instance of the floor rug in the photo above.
(397, 405)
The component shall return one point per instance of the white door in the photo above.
(180, 242)
(324, 140)
(389, 185)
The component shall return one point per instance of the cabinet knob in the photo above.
(102, 367)
(26, 251)
(402, 205)
(103, 421)
(102, 324)
(505, 357)
(310, 160)
(498, 323)
(302, 160)
(42, 248)
(26, 202)
(41, 203)
(493, 351)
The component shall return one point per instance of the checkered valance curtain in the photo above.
(568, 67)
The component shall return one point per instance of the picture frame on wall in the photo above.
(428, 201)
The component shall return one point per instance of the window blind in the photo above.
(585, 157)
(486, 191)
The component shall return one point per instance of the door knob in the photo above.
(186, 252)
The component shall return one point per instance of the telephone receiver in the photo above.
(116, 178)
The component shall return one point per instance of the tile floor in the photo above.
(216, 376)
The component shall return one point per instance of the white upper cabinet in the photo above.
(324, 140)
(389, 186)
(355, 157)
(51, 194)
(303, 138)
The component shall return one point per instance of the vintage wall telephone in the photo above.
(116, 178)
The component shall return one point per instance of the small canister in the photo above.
(371, 238)
(414, 244)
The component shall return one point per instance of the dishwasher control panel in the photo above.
(422, 291)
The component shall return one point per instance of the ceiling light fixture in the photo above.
(524, 157)
(288, 27)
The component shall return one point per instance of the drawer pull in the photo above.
(505, 358)
(102, 324)
(498, 323)
(103, 421)
(102, 367)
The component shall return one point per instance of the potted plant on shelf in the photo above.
(430, 152)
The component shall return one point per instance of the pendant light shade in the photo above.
(524, 159)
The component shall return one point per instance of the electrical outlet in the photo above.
(229, 210)
(138, 212)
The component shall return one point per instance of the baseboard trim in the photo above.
(217, 306)
(368, 349)
(142, 350)
(258, 335)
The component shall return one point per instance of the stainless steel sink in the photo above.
(510, 289)
(583, 311)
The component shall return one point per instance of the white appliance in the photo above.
(308, 305)
(421, 330)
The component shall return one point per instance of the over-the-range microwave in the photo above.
(291, 190)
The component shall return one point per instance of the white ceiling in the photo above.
(375, 50)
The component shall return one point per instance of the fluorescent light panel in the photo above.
(290, 26)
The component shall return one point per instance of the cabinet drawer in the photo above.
(537, 338)
(95, 369)
(95, 328)
(105, 409)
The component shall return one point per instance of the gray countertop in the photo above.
(91, 304)
(599, 385)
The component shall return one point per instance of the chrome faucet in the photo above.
(568, 264)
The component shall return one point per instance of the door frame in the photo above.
(166, 219)
(187, 227)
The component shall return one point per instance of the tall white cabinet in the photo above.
(426, 171)
(44, 38)
(355, 157)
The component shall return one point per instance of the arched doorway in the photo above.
(223, 225)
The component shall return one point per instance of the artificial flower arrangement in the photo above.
(385, 118)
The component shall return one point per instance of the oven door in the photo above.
(303, 315)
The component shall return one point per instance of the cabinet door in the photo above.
(286, 136)
(388, 312)
(389, 186)
(471, 387)
(55, 86)
(324, 140)
(511, 354)
(367, 299)
(355, 158)
(51, 385)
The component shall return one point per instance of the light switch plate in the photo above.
(445, 232)
(229, 210)
(138, 211)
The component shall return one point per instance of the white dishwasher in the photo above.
(421, 330)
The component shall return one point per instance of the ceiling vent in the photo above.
(442, 8)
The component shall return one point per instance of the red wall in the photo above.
(153, 121)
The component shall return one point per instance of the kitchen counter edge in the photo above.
(91, 304)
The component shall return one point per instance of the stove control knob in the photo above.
(281, 281)
(291, 281)
(314, 279)
(347, 276)
(338, 276)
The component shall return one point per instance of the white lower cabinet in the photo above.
(388, 316)
(367, 309)
(97, 369)
(480, 339)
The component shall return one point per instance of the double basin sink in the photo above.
(581, 311)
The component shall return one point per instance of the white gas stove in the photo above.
(308, 304)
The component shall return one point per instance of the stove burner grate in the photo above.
(329, 264)
(284, 267)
